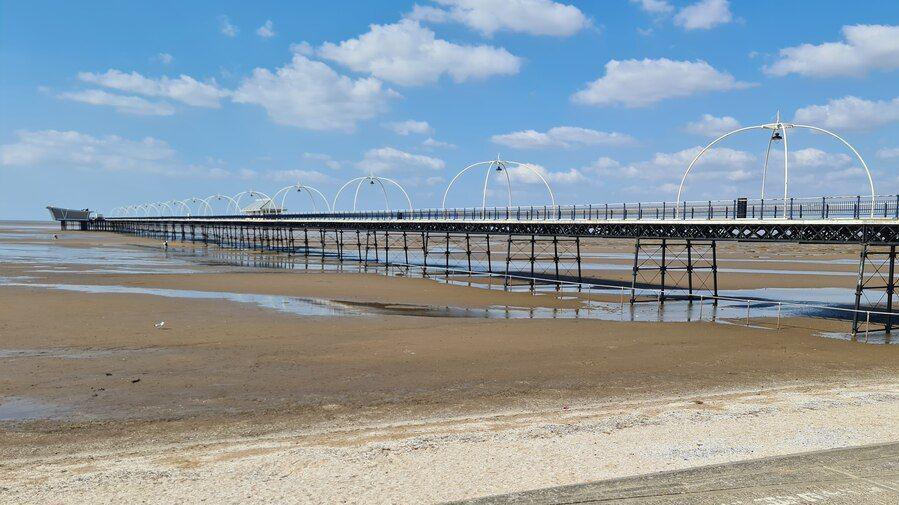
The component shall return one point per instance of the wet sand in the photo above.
(234, 402)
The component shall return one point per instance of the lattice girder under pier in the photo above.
(875, 289)
(663, 265)
(542, 258)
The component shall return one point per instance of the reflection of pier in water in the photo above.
(672, 258)
(602, 298)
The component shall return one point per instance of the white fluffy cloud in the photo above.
(121, 103)
(409, 54)
(850, 113)
(309, 94)
(534, 17)
(72, 149)
(226, 28)
(724, 171)
(654, 6)
(712, 126)
(409, 126)
(184, 89)
(164, 58)
(525, 174)
(813, 171)
(298, 176)
(664, 170)
(324, 159)
(638, 83)
(389, 159)
(561, 137)
(704, 15)
(865, 48)
(888, 153)
(432, 143)
(814, 158)
(267, 30)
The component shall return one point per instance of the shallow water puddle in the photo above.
(871, 337)
(290, 305)
(109, 259)
(20, 408)
(63, 353)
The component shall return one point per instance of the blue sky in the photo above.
(105, 104)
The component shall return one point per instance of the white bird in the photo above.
(160, 324)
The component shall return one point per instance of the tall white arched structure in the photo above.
(312, 192)
(184, 208)
(500, 166)
(202, 205)
(372, 180)
(168, 207)
(229, 202)
(778, 133)
(257, 194)
(154, 207)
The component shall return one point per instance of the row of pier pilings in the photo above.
(663, 268)
(530, 259)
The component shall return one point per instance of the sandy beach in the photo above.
(366, 388)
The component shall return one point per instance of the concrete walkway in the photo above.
(858, 476)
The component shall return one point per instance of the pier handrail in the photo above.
(823, 208)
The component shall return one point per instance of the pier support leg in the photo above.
(580, 279)
(424, 250)
(667, 265)
(859, 287)
(446, 256)
(877, 274)
(406, 249)
(489, 258)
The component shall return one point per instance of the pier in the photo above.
(674, 242)
(674, 245)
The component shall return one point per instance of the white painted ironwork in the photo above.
(300, 188)
(778, 132)
(372, 180)
(203, 206)
(230, 201)
(500, 166)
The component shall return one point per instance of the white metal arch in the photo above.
(372, 179)
(165, 206)
(203, 208)
(300, 188)
(251, 192)
(777, 127)
(220, 197)
(857, 155)
(184, 208)
(500, 165)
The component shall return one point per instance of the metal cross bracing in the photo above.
(668, 255)
(540, 258)
(875, 289)
(667, 264)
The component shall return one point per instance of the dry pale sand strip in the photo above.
(433, 460)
